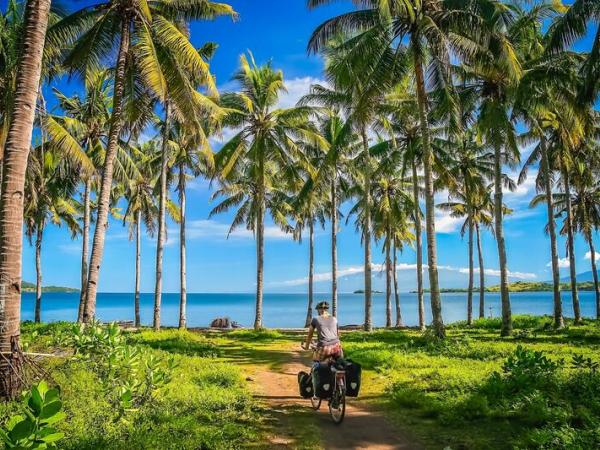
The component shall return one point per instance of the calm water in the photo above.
(286, 310)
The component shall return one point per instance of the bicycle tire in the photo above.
(338, 417)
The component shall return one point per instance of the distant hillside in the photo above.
(30, 287)
(362, 291)
(526, 286)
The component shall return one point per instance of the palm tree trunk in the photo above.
(182, 252)
(571, 248)
(138, 242)
(85, 237)
(311, 269)
(38, 272)
(334, 225)
(594, 273)
(367, 234)
(434, 287)
(481, 274)
(396, 293)
(558, 313)
(16, 151)
(107, 174)
(388, 282)
(160, 241)
(470, 288)
(419, 244)
(499, 228)
(260, 242)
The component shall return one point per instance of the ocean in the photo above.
(288, 310)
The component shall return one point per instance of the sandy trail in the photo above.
(363, 427)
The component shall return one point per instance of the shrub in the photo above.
(41, 408)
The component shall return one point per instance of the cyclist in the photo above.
(328, 339)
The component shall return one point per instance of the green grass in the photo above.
(453, 393)
(206, 405)
(444, 391)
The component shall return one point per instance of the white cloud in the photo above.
(355, 270)
(296, 89)
(563, 263)
(588, 256)
(199, 229)
(72, 248)
(446, 224)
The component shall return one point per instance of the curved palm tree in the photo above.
(251, 166)
(149, 35)
(16, 150)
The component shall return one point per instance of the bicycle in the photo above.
(337, 401)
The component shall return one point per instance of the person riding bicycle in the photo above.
(328, 339)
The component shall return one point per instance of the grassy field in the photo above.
(537, 389)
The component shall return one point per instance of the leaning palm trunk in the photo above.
(436, 302)
(334, 218)
(38, 272)
(260, 242)
(367, 234)
(558, 313)
(311, 269)
(388, 283)
(594, 273)
(138, 239)
(419, 244)
(470, 289)
(14, 164)
(499, 228)
(107, 175)
(160, 242)
(396, 293)
(571, 248)
(182, 254)
(85, 237)
(481, 274)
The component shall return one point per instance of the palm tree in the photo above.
(83, 128)
(141, 206)
(471, 169)
(393, 204)
(571, 26)
(342, 142)
(359, 86)
(49, 187)
(189, 155)
(252, 163)
(151, 39)
(16, 151)
(428, 29)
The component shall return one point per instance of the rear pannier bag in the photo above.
(324, 380)
(353, 376)
(305, 385)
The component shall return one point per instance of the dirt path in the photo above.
(363, 427)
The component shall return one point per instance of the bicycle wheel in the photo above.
(315, 402)
(337, 405)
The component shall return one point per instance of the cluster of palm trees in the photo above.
(421, 97)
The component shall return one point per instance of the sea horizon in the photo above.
(288, 310)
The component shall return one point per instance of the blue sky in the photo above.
(279, 31)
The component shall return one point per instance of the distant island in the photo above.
(30, 287)
(362, 291)
(524, 286)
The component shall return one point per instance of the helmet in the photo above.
(322, 305)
